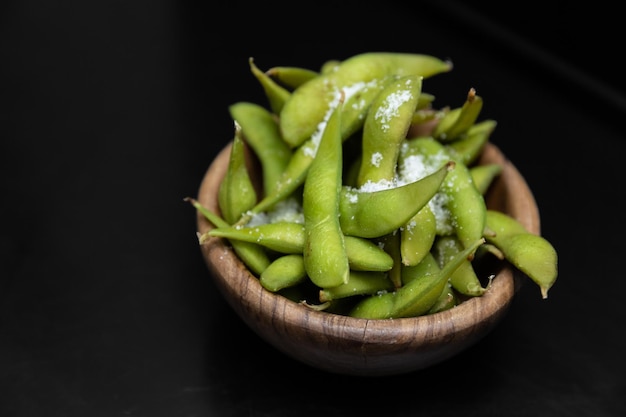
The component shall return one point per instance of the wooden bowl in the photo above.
(353, 346)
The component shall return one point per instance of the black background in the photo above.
(111, 113)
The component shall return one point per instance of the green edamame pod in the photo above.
(464, 279)
(284, 272)
(360, 283)
(236, 193)
(309, 104)
(377, 213)
(502, 225)
(365, 255)
(417, 236)
(469, 146)
(416, 297)
(329, 66)
(357, 102)
(325, 257)
(291, 77)
(531, 254)
(276, 94)
(427, 266)
(260, 131)
(385, 127)
(252, 255)
(483, 175)
(466, 205)
(457, 121)
(282, 237)
(446, 300)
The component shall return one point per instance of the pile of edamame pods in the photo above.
(371, 203)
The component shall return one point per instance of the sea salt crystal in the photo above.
(388, 110)
(376, 159)
(288, 210)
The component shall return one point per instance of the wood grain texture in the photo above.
(346, 345)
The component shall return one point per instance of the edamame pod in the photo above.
(427, 266)
(531, 254)
(377, 213)
(417, 236)
(360, 283)
(466, 205)
(329, 66)
(276, 94)
(291, 77)
(416, 297)
(457, 121)
(260, 130)
(236, 193)
(483, 176)
(469, 146)
(365, 255)
(385, 127)
(282, 237)
(446, 300)
(464, 278)
(325, 258)
(284, 272)
(502, 225)
(309, 104)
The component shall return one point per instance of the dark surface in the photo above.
(111, 113)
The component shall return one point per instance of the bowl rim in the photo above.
(273, 316)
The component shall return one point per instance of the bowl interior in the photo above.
(347, 345)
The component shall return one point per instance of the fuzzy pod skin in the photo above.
(484, 175)
(469, 146)
(276, 94)
(417, 236)
(260, 131)
(291, 77)
(531, 254)
(325, 257)
(284, 272)
(282, 237)
(236, 193)
(360, 283)
(386, 126)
